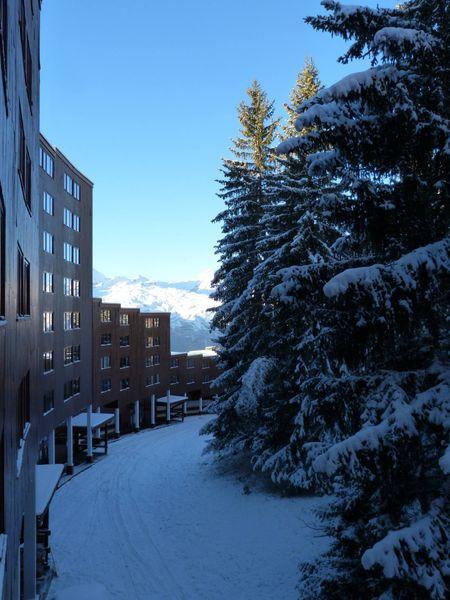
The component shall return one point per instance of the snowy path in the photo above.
(156, 520)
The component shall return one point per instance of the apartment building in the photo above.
(65, 267)
(133, 362)
(130, 358)
(19, 276)
(192, 373)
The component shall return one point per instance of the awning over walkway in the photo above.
(172, 399)
(97, 420)
(47, 478)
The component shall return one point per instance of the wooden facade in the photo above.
(19, 284)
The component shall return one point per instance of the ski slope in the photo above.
(157, 519)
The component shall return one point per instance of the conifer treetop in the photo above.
(306, 86)
(258, 128)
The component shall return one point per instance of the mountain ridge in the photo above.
(187, 301)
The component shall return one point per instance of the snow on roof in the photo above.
(97, 419)
(205, 352)
(47, 477)
(171, 399)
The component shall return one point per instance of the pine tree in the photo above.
(306, 86)
(297, 246)
(381, 380)
(237, 320)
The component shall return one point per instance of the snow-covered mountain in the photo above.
(188, 301)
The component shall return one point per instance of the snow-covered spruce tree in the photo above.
(238, 319)
(387, 354)
(297, 245)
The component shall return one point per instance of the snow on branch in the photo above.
(434, 258)
(401, 553)
(401, 417)
(391, 40)
(370, 437)
(355, 83)
(253, 386)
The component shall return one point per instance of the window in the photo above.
(174, 378)
(105, 315)
(190, 379)
(105, 385)
(4, 41)
(123, 319)
(152, 341)
(23, 407)
(71, 388)
(26, 53)
(24, 166)
(47, 321)
(75, 320)
(190, 363)
(49, 401)
(76, 190)
(152, 379)
(46, 162)
(105, 339)
(153, 359)
(76, 255)
(48, 242)
(71, 287)
(71, 354)
(48, 203)
(152, 322)
(71, 320)
(23, 284)
(68, 183)
(47, 282)
(206, 378)
(2, 253)
(174, 363)
(205, 364)
(124, 384)
(75, 288)
(48, 361)
(75, 222)
(67, 217)
(67, 390)
(68, 355)
(67, 252)
(67, 286)
(124, 362)
(105, 362)
(124, 341)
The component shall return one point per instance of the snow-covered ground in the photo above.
(157, 519)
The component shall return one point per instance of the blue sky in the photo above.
(142, 96)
